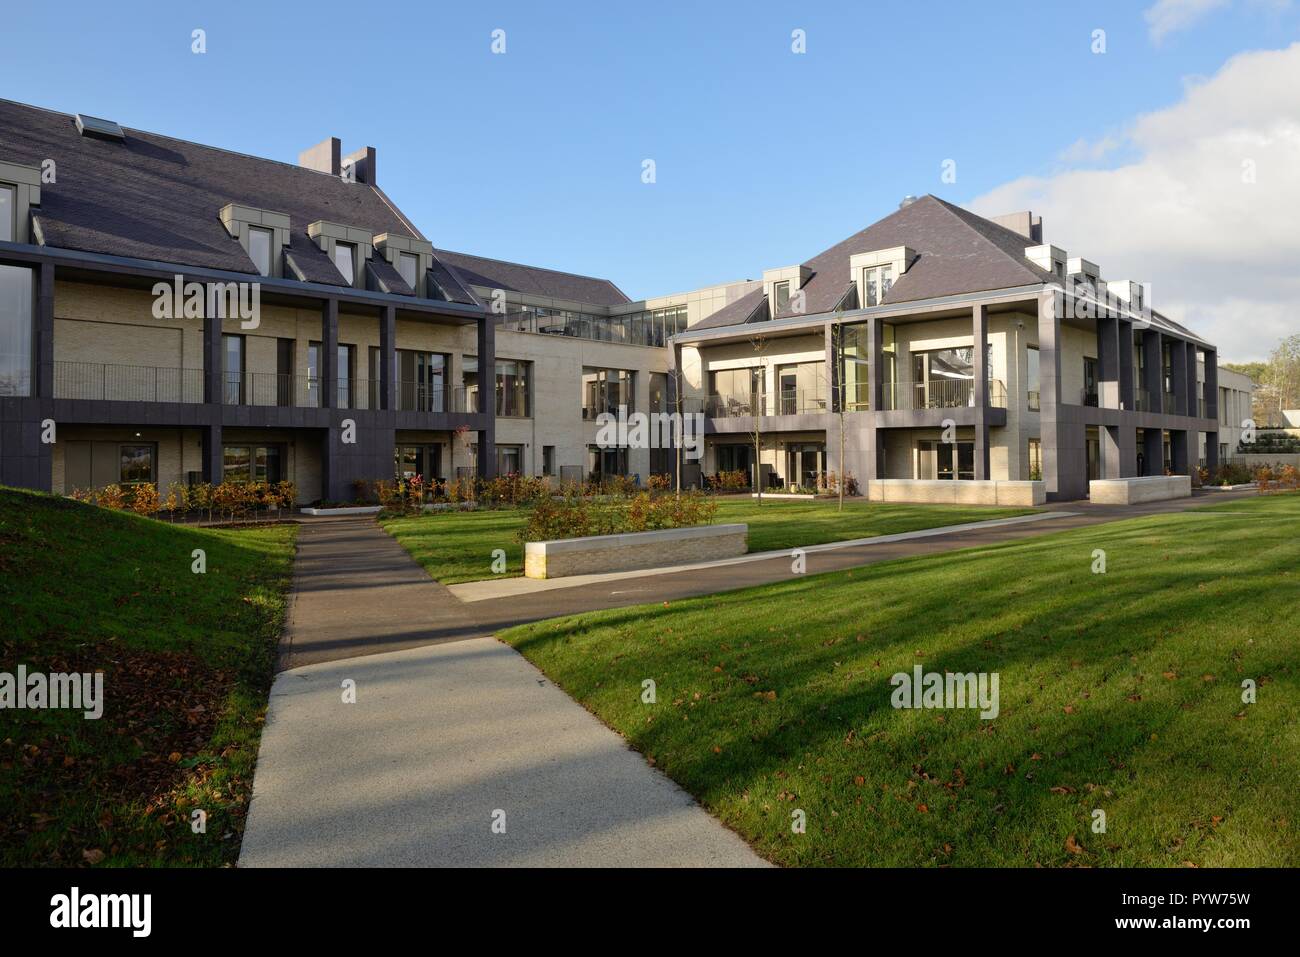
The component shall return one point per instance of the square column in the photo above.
(1153, 360)
(1212, 452)
(1178, 366)
(1127, 397)
(980, 329)
(1107, 362)
(387, 357)
(1212, 387)
(487, 396)
(1179, 451)
(43, 339)
(329, 357)
(1049, 376)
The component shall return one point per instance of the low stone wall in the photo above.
(616, 553)
(1131, 491)
(946, 492)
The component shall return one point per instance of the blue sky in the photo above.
(763, 157)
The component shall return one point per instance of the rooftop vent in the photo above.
(907, 201)
(95, 126)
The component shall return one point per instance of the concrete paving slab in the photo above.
(440, 738)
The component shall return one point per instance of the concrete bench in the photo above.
(1131, 491)
(948, 492)
(616, 553)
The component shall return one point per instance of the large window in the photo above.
(661, 396)
(944, 378)
(602, 463)
(801, 388)
(855, 366)
(252, 463)
(945, 460)
(346, 374)
(345, 261)
(137, 464)
(649, 328)
(407, 268)
(15, 331)
(1089, 381)
(876, 282)
(421, 381)
(604, 390)
(8, 213)
(1035, 460)
(510, 459)
(422, 460)
(1033, 382)
(259, 248)
(782, 291)
(232, 369)
(512, 387)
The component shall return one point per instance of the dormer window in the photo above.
(408, 267)
(260, 243)
(8, 207)
(781, 291)
(876, 282)
(344, 261)
(263, 233)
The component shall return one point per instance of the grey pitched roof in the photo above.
(957, 252)
(751, 307)
(532, 280)
(157, 198)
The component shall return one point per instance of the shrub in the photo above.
(659, 483)
(111, 496)
(577, 516)
(728, 481)
(144, 499)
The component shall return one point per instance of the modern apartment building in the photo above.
(943, 345)
(133, 348)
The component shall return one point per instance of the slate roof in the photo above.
(532, 280)
(158, 198)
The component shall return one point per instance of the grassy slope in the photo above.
(1119, 691)
(457, 546)
(188, 660)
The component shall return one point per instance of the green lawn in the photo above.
(187, 661)
(1119, 692)
(457, 546)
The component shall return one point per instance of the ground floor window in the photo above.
(805, 464)
(736, 458)
(663, 461)
(422, 460)
(252, 463)
(945, 460)
(1035, 460)
(602, 462)
(510, 459)
(136, 463)
(548, 460)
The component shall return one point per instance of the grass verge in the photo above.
(457, 546)
(1120, 692)
(187, 661)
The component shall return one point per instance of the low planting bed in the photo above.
(560, 558)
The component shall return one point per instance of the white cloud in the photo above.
(1167, 16)
(1220, 252)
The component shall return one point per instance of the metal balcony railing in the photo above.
(1171, 404)
(1088, 397)
(123, 383)
(941, 394)
(415, 396)
(1142, 400)
(511, 402)
(272, 389)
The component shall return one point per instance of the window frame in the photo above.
(351, 274)
(11, 220)
(152, 448)
(269, 235)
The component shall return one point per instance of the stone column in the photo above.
(387, 357)
(1179, 440)
(487, 392)
(329, 357)
(1212, 388)
(1127, 399)
(1182, 389)
(980, 328)
(1049, 375)
(1108, 362)
(43, 340)
(1153, 451)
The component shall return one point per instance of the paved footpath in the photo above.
(446, 731)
